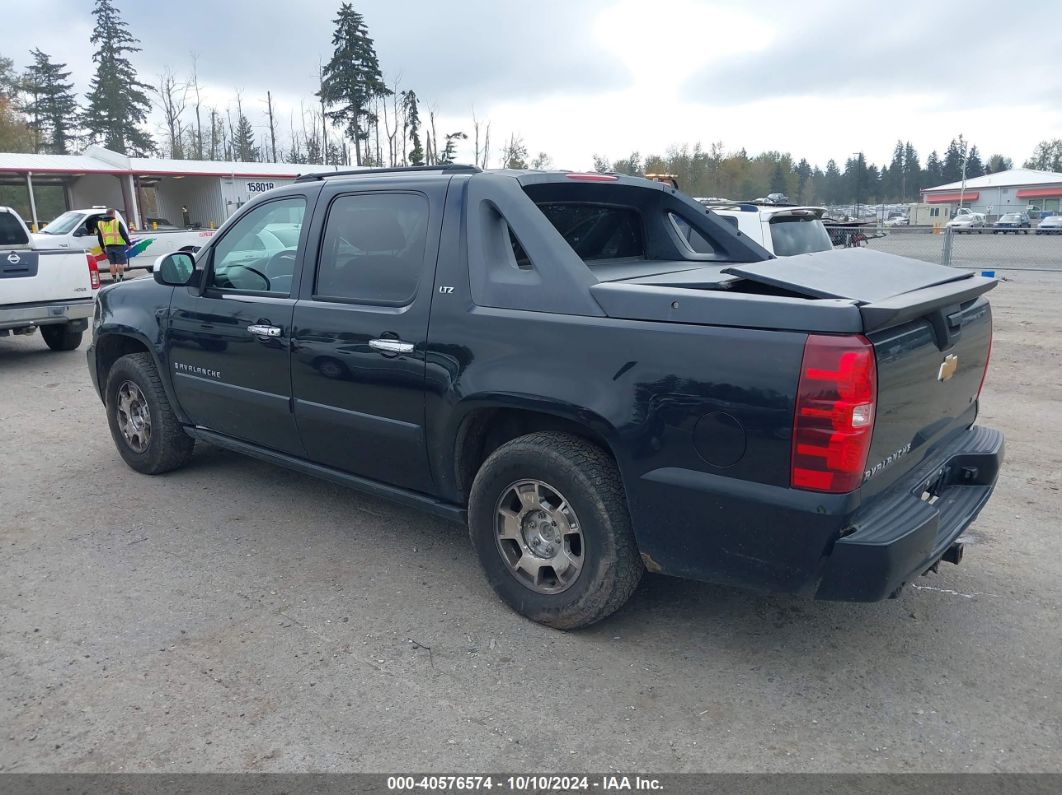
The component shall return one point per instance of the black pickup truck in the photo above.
(596, 373)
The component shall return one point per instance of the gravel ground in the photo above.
(237, 617)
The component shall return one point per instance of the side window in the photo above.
(258, 253)
(373, 248)
(697, 242)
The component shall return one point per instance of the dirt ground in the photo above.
(237, 617)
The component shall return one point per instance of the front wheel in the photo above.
(60, 337)
(548, 520)
(143, 425)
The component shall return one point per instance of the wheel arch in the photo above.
(111, 346)
(483, 425)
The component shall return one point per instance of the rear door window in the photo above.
(373, 248)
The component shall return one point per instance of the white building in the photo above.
(1002, 192)
(206, 191)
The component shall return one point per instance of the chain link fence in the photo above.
(978, 249)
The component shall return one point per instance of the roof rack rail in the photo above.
(449, 168)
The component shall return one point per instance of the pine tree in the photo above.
(412, 115)
(117, 102)
(450, 150)
(912, 173)
(997, 163)
(352, 79)
(974, 166)
(934, 170)
(893, 183)
(951, 170)
(243, 146)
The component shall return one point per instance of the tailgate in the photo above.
(929, 374)
(29, 277)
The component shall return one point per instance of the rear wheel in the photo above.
(549, 522)
(143, 425)
(60, 337)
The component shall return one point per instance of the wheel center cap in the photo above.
(541, 534)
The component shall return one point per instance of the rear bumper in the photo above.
(45, 314)
(901, 535)
(830, 546)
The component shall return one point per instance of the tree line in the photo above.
(359, 117)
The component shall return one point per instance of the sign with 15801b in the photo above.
(260, 187)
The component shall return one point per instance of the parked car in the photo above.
(1051, 225)
(782, 230)
(1012, 222)
(898, 220)
(47, 290)
(968, 222)
(595, 374)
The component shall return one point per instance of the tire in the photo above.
(573, 473)
(159, 445)
(60, 338)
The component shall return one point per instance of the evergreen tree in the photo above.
(9, 81)
(412, 114)
(997, 163)
(893, 181)
(117, 102)
(934, 171)
(601, 164)
(450, 150)
(912, 173)
(951, 170)
(53, 106)
(243, 146)
(803, 172)
(974, 166)
(352, 79)
(831, 188)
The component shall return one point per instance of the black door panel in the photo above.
(358, 359)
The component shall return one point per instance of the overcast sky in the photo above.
(816, 79)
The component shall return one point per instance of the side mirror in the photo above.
(174, 270)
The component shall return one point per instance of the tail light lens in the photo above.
(94, 272)
(834, 418)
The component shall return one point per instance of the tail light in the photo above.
(94, 272)
(834, 418)
(988, 358)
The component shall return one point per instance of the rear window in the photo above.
(597, 231)
(792, 236)
(11, 231)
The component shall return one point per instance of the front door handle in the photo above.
(391, 346)
(264, 331)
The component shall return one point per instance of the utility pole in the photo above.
(962, 189)
(324, 121)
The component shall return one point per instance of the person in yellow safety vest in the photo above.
(113, 238)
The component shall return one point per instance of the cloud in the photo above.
(968, 55)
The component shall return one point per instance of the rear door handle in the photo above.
(391, 346)
(264, 331)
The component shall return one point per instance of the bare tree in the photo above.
(482, 155)
(172, 98)
(272, 126)
(431, 154)
(194, 82)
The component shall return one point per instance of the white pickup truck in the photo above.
(51, 290)
(76, 229)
